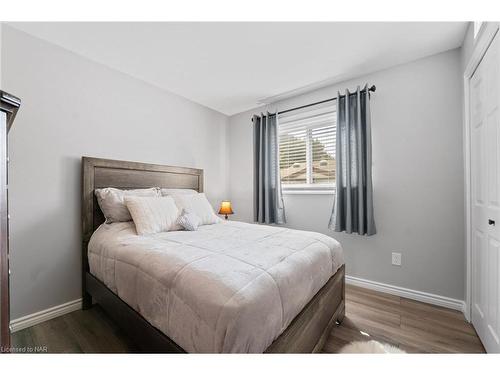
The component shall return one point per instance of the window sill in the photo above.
(308, 192)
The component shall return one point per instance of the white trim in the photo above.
(477, 34)
(484, 38)
(416, 295)
(316, 186)
(44, 315)
(308, 192)
(434, 299)
(310, 187)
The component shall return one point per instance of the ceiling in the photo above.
(231, 67)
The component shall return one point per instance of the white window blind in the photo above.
(307, 147)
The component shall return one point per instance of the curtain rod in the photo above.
(373, 89)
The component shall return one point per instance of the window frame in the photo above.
(309, 187)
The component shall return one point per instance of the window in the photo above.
(307, 148)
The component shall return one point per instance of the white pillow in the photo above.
(199, 205)
(152, 215)
(188, 220)
(165, 191)
(112, 203)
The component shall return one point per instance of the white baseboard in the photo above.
(44, 315)
(433, 299)
(430, 298)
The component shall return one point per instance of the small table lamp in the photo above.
(225, 209)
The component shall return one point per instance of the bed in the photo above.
(228, 287)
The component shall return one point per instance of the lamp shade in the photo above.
(225, 208)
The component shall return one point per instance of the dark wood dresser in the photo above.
(8, 108)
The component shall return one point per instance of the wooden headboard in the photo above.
(100, 173)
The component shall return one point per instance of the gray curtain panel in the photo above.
(353, 207)
(268, 201)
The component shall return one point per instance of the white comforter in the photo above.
(228, 287)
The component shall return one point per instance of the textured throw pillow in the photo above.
(112, 203)
(152, 215)
(188, 220)
(199, 205)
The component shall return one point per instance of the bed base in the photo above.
(306, 334)
(147, 338)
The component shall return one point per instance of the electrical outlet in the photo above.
(396, 259)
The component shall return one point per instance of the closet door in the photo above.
(485, 197)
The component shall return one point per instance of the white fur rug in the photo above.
(369, 347)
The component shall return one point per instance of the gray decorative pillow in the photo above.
(189, 220)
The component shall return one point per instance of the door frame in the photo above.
(483, 40)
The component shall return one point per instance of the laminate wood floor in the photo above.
(412, 326)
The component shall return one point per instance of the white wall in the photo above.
(73, 107)
(417, 175)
